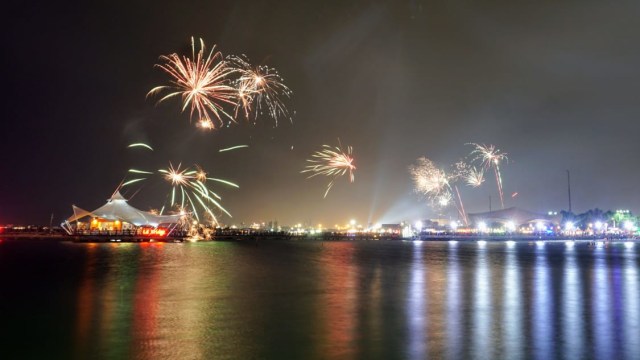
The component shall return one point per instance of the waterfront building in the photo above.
(514, 217)
(116, 215)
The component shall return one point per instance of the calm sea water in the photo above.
(312, 300)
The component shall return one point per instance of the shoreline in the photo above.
(320, 237)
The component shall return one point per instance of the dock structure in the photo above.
(125, 236)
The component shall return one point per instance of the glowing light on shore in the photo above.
(629, 226)
(569, 226)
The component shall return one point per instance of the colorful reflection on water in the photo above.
(313, 300)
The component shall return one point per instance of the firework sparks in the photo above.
(436, 184)
(190, 191)
(260, 89)
(475, 177)
(206, 124)
(332, 162)
(176, 176)
(202, 81)
(429, 179)
(189, 186)
(491, 157)
(201, 175)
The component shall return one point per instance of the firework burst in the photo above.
(202, 81)
(190, 192)
(332, 162)
(490, 157)
(429, 179)
(437, 185)
(475, 177)
(260, 89)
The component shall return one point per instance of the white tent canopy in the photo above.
(117, 208)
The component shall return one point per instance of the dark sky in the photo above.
(555, 84)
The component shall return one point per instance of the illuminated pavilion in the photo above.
(116, 215)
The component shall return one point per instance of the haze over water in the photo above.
(313, 300)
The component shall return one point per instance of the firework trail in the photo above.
(333, 162)
(190, 191)
(202, 81)
(233, 148)
(143, 145)
(490, 157)
(260, 89)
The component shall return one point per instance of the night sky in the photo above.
(555, 84)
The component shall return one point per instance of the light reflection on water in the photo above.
(631, 300)
(481, 308)
(573, 313)
(453, 305)
(312, 300)
(416, 312)
(512, 306)
(542, 306)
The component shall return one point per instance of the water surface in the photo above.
(314, 300)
